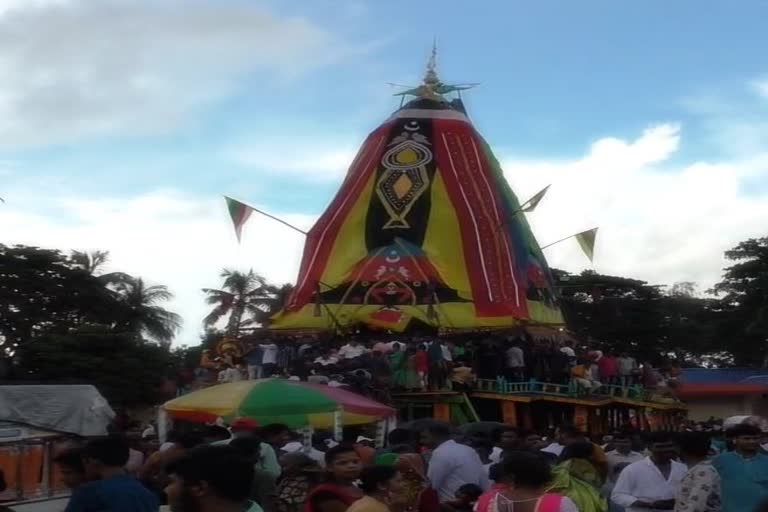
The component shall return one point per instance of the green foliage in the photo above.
(631, 315)
(743, 313)
(59, 322)
(126, 370)
(43, 291)
(245, 299)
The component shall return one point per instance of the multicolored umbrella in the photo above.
(296, 404)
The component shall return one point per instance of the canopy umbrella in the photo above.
(296, 404)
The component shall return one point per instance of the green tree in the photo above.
(127, 370)
(630, 315)
(142, 313)
(245, 299)
(743, 314)
(92, 262)
(43, 290)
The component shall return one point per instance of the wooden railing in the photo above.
(533, 386)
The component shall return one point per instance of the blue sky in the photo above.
(122, 122)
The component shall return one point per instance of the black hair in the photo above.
(497, 433)
(71, 458)
(274, 429)
(373, 476)
(577, 451)
(622, 435)
(439, 430)
(189, 440)
(570, 430)
(247, 446)
(399, 436)
(483, 444)
(742, 429)
(111, 451)
(693, 443)
(526, 469)
(228, 474)
(473, 491)
(333, 453)
(660, 437)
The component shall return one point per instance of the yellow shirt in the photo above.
(368, 504)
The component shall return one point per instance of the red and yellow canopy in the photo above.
(296, 404)
(424, 227)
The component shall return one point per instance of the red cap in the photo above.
(244, 424)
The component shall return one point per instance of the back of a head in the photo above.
(472, 491)
(71, 458)
(580, 450)
(227, 473)
(695, 444)
(439, 430)
(399, 436)
(661, 437)
(499, 432)
(110, 451)
(249, 447)
(525, 469)
(374, 476)
(742, 429)
(189, 440)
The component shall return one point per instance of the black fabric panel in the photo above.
(377, 217)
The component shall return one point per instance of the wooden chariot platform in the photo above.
(540, 405)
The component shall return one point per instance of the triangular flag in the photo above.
(586, 240)
(533, 202)
(239, 213)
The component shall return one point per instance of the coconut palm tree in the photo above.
(142, 313)
(245, 298)
(91, 262)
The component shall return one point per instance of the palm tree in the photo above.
(142, 313)
(246, 298)
(91, 262)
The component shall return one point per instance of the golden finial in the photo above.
(430, 78)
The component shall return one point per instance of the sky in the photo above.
(123, 122)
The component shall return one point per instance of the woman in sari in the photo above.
(397, 360)
(577, 477)
(343, 465)
(523, 478)
(300, 475)
(412, 381)
(418, 496)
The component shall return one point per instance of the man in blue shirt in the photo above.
(111, 489)
(211, 479)
(744, 471)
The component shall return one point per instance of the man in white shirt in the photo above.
(622, 454)
(515, 362)
(352, 350)
(651, 484)
(452, 464)
(269, 358)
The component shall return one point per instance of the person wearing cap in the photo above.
(246, 427)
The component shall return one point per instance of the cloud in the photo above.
(760, 86)
(75, 68)
(658, 221)
(166, 237)
(308, 158)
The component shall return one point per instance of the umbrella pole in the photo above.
(306, 438)
(162, 424)
(338, 425)
(381, 432)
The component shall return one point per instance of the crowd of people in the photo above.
(373, 364)
(433, 469)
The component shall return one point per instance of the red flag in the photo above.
(240, 213)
